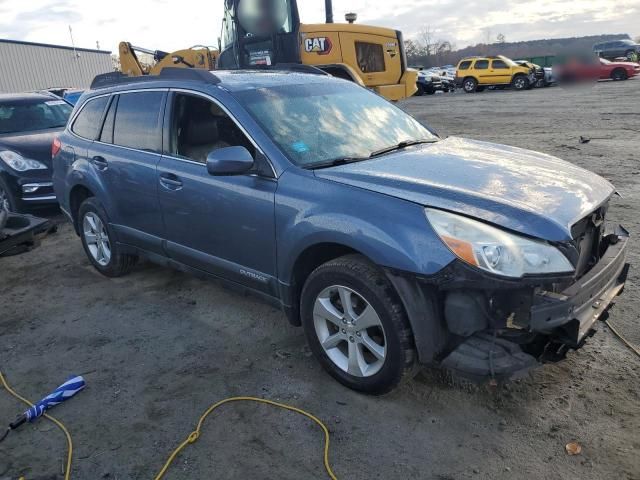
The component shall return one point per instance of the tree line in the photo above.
(429, 51)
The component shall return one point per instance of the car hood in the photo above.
(35, 145)
(522, 190)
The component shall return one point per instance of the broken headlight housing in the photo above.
(496, 250)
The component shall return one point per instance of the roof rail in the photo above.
(169, 73)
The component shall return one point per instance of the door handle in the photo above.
(100, 162)
(170, 181)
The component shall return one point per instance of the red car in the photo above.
(597, 69)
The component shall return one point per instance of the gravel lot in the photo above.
(158, 346)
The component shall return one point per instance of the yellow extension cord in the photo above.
(193, 436)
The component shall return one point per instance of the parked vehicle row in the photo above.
(370, 234)
(476, 73)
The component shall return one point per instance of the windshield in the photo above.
(33, 114)
(315, 123)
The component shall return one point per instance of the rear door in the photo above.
(223, 225)
(125, 157)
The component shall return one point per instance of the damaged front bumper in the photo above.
(481, 326)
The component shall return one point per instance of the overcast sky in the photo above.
(171, 25)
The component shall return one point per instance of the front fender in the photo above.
(391, 232)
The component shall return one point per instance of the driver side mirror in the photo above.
(229, 161)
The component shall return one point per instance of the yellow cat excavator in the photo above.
(268, 32)
(264, 33)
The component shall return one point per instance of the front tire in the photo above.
(10, 202)
(356, 326)
(520, 82)
(619, 74)
(99, 242)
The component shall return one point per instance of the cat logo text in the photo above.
(319, 45)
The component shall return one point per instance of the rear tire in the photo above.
(99, 241)
(619, 74)
(470, 85)
(368, 346)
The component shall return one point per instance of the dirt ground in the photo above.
(158, 346)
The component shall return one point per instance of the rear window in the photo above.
(464, 65)
(25, 115)
(87, 122)
(370, 57)
(481, 64)
(138, 121)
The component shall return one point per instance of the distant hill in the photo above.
(531, 48)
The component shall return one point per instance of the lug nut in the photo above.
(344, 331)
(358, 334)
(351, 339)
(344, 320)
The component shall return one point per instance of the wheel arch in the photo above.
(78, 194)
(306, 262)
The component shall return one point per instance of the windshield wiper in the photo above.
(334, 162)
(400, 146)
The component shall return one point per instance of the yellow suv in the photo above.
(475, 73)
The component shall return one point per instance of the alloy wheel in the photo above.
(350, 331)
(469, 85)
(519, 83)
(96, 238)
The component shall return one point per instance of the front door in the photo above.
(223, 225)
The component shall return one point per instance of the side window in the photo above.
(138, 121)
(199, 126)
(481, 64)
(498, 64)
(465, 65)
(106, 136)
(370, 57)
(87, 122)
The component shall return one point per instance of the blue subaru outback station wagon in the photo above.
(391, 246)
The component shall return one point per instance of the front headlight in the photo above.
(19, 163)
(496, 250)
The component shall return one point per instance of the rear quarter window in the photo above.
(464, 65)
(87, 122)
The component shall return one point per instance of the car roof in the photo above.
(238, 80)
(230, 80)
(28, 97)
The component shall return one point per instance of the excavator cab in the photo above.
(259, 33)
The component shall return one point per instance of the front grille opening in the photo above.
(587, 238)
